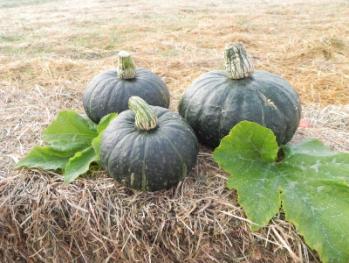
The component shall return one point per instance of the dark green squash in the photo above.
(218, 100)
(148, 148)
(109, 91)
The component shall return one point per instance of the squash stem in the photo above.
(237, 63)
(126, 68)
(145, 117)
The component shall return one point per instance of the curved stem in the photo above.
(237, 63)
(126, 67)
(145, 117)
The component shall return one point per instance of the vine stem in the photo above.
(145, 117)
(237, 62)
(126, 68)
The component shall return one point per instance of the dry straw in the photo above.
(96, 219)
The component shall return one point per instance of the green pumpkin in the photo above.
(148, 148)
(109, 91)
(218, 100)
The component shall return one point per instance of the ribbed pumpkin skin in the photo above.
(149, 160)
(107, 93)
(214, 103)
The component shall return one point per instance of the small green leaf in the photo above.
(104, 122)
(312, 182)
(45, 158)
(74, 143)
(70, 132)
(79, 164)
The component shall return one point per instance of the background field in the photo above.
(49, 50)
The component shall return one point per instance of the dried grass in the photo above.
(307, 43)
(47, 55)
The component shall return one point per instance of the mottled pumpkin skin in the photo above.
(214, 103)
(149, 160)
(107, 93)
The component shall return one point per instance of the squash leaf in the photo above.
(45, 158)
(73, 144)
(311, 182)
(102, 125)
(70, 132)
(79, 164)
(104, 122)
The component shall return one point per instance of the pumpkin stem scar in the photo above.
(237, 62)
(126, 68)
(145, 117)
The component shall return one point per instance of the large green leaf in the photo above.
(311, 182)
(45, 158)
(79, 164)
(103, 124)
(70, 132)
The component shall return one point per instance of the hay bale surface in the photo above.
(95, 219)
